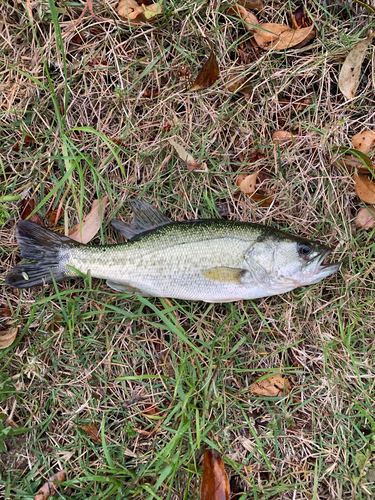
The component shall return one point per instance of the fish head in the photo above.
(300, 262)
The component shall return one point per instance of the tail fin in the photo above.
(44, 246)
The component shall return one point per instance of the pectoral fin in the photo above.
(226, 275)
(123, 287)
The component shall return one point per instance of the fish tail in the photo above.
(44, 246)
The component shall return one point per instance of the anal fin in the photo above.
(226, 275)
(124, 287)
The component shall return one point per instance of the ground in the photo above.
(88, 112)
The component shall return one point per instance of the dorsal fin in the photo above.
(145, 217)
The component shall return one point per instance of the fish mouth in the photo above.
(320, 270)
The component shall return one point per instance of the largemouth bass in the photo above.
(208, 260)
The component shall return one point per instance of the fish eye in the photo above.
(304, 250)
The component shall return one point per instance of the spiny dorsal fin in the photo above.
(145, 217)
(225, 275)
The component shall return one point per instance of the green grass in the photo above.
(163, 382)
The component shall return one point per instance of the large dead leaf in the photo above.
(365, 188)
(280, 37)
(351, 69)
(185, 156)
(364, 141)
(208, 73)
(92, 431)
(138, 14)
(365, 218)
(215, 482)
(274, 385)
(49, 488)
(7, 337)
(249, 19)
(86, 231)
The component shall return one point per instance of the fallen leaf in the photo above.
(5, 312)
(208, 73)
(152, 10)
(365, 218)
(281, 137)
(49, 488)
(255, 156)
(251, 4)
(78, 39)
(29, 206)
(355, 160)
(215, 482)
(364, 188)
(239, 85)
(92, 431)
(300, 18)
(185, 156)
(249, 19)
(138, 14)
(86, 231)
(96, 61)
(351, 69)
(247, 183)
(280, 37)
(364, 141)
(151, 410)
(273, 385)
(7, 337)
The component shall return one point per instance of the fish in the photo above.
(210, 260)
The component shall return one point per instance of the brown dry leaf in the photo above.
(274, 385)
(86, 231)
(300, 18)
(251, 4)
(364, 141)
(208, 73)
(248, 17)
(351, 69)
(351, 163)
(239, 85)
(7, 337)
(355, 161)
(281, 137)
(364, 188)
(138, 14)
(247, 183)
(49, 488)
(215, 482)
(92, 431)
(280, 37)
(185, 156)
(29, 206)
(365, 218)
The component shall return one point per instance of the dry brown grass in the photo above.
(85, 355)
